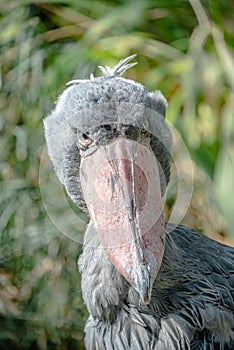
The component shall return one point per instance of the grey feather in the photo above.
(120, 68)
(117, 71)
(188, 307)
(192, 303)
(105, 100)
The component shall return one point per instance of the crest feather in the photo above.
(120, 68)
(117, 71)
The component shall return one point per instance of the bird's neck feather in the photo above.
(103, 287)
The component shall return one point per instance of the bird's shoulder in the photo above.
(202, 252)
(192, 300)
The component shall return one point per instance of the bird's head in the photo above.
(109, 144)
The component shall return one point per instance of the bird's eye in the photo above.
(83, 139)
(144, 136)
(144, 133)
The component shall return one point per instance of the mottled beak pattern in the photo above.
(121, 187)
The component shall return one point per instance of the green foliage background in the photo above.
(185, 49)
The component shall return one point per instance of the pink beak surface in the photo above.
(121, 186)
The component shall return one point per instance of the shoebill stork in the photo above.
(146, 284)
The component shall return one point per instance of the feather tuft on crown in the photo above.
(117, 71)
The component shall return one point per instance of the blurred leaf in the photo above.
(224, 181)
